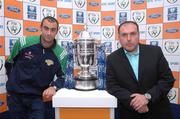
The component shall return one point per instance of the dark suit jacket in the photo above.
(154, 77)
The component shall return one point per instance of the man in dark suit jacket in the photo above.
(139, 76)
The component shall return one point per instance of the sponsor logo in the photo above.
(171, 46)
(64, 16)
(11, 44)
(108, 18)
(154, 31)
(32, 0)
(13, 9)
(48, 12)
(108, 32)
(14, 27)
(122, 17)
(94, 4)
(79, 17)
(138, 1)
(172, 13)
(31, 29)
(171, 1)
(154, 15)
(155, 43)
(172, 95)
(172, 30)
(28, 55)
(93, 18)
(65, 31)
(138, 16)
(31, 12)
(79, 3)
(123, 3)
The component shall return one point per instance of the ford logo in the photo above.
(138, 1)
(13, 9)
(31, 29)
(93, 4)
(172, 30)
(64, 16)
(154, 15)
(108, 18)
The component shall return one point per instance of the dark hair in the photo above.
(128, 22)
(50, 19)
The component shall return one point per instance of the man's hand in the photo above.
(49, 92)
(143, 109)
(138, 101)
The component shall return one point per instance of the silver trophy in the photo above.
(86, 59)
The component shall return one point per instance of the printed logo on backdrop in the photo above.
(172, 13)
(32, 0)
(138, 2)
(171, 46)
(172, 95)
(93, 18)
(11, 44)
(154, 31)
(122, 17)
(14, 27)
(123, 3)
(108, 18)
(138, 16)
(79, 17)
(108, 47)
(31, 12)
(64, 31)
(108, 32)
(155, 43)
(31, 29)
(171, 1)
(1, 103)
(94, 4)
(79, 3)
(13, 9)
(172, 30)
(48, 12)
(64, 16)
(154, 15)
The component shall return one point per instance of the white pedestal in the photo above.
(73, 104)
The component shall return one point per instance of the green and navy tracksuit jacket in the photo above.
(31, 68)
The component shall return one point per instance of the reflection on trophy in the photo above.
(86, 58)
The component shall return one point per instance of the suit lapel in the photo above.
(126, 64)
(141, 63)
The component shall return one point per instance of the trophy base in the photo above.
(86, 84)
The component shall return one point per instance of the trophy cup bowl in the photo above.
(86, 58)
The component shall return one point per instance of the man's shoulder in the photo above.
(27, 41)
(149, 47)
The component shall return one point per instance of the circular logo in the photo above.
(14, 27)
(172, 94)
(108, 32)
(138, 16)
(48, 12)
(154, 31)
(65, 31)
(171, 46)
(79, 3)
(93, 18)
(123, 3)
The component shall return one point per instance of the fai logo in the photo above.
(65, 31)
(48, 12)
(93, 18)
(79, 3)
(14, 27)
(49, 62)
(172, 95)
(171, 1)
(108, 32)
(123, 3)
(171, 46)
(154, 31)
(138, 16)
